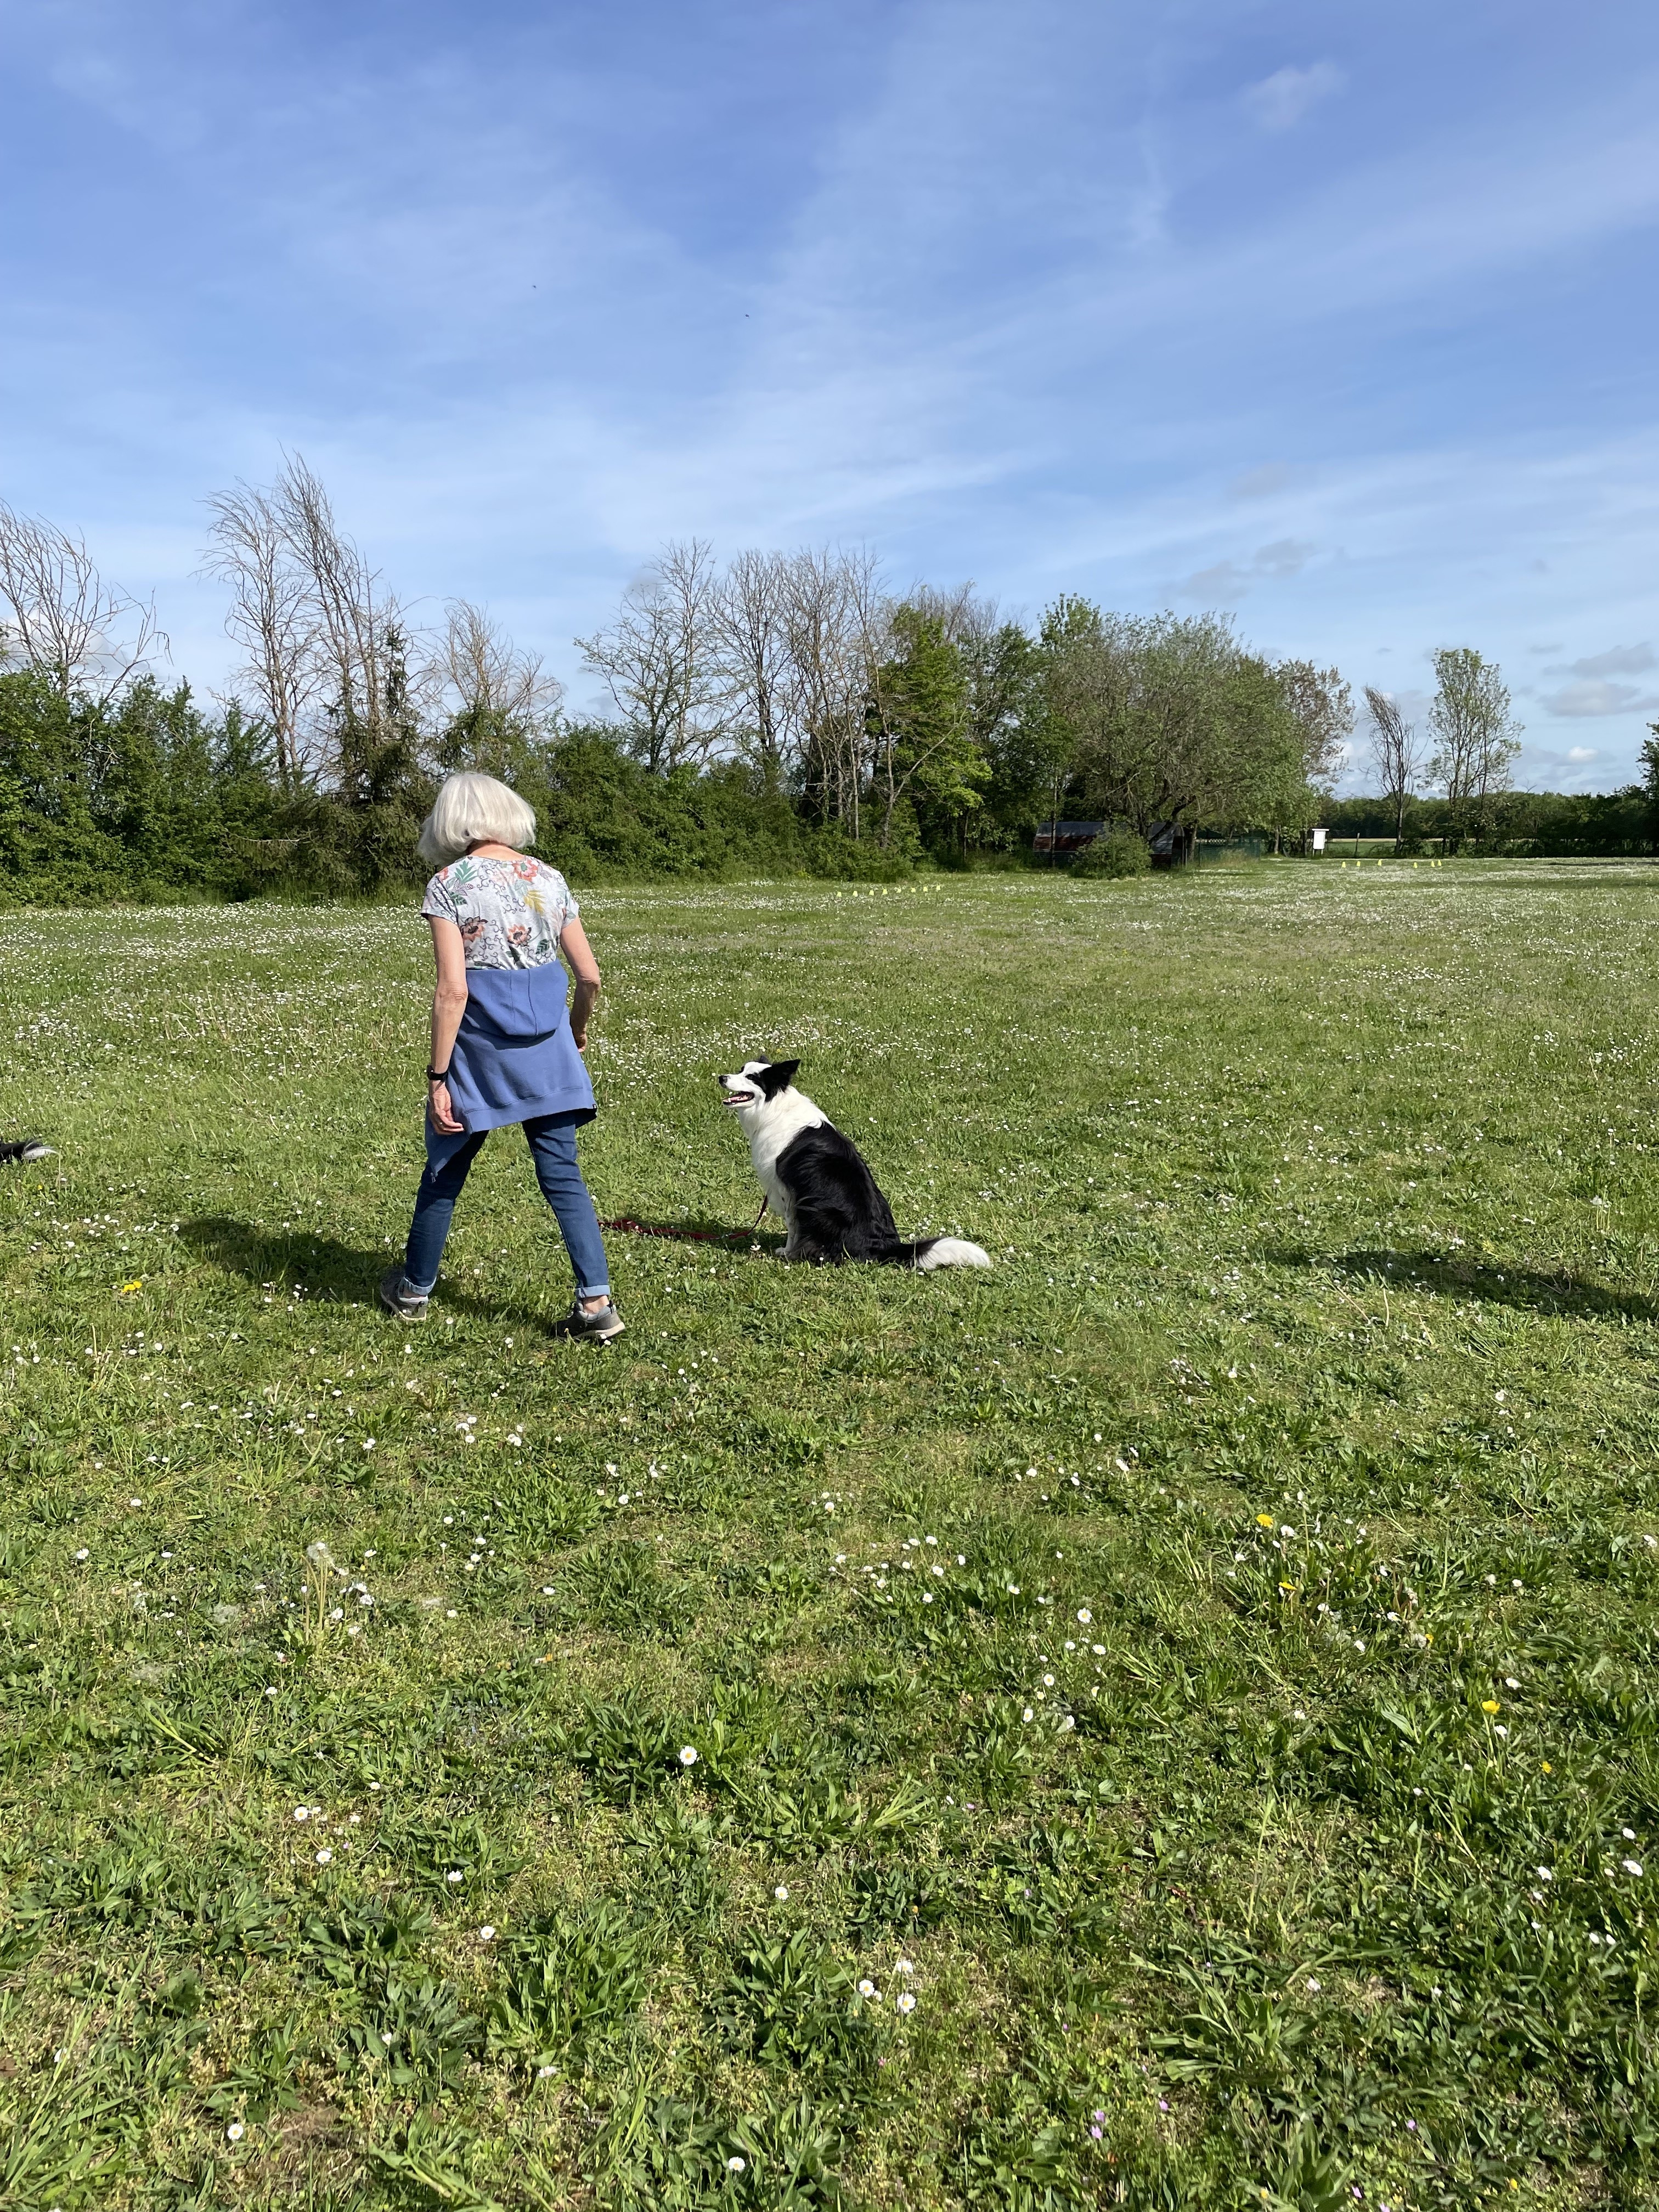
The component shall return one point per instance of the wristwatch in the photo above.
(437, 1075)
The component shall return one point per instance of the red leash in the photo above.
(625, 1225)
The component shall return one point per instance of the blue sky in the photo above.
(1342, 318)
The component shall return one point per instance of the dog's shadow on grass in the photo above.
(1530, 1289)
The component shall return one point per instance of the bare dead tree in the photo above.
(58, 614)
(751, 631)
(1395, 749)
(965, 619)
(660, 659)
(837, 619)
(273, 615)
(354, 618)
(492, 695)
(637, 662)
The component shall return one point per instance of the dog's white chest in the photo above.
(773, 1130)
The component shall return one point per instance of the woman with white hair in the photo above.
(504, 1047)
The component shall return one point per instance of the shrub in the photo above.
(1116, 852)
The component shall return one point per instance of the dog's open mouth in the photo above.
(739, 1098)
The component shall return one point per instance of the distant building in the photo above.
(1172, 844)
(1066, 836)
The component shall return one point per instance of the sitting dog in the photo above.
(817, 1179)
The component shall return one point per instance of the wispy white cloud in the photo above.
(1594, 695)
(1279, 101)
(1618, 660)
(1262, 482)
(1227, 581)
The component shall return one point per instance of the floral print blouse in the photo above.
(509, 912)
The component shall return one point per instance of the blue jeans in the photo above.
(552, 1141)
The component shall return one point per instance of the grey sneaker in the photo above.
(397, 1298)
(597, 1327)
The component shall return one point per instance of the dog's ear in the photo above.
(777, 1076)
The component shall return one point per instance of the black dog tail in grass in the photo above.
(25, 1148)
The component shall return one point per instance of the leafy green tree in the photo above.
(925, 747)
(1171, 722)
(1650, 783)
(1476, 740)
(1028, 750)
(52, 845)
(159, 796)
(383, 792)
(1321, 703)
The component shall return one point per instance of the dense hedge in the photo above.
(147, 797)
(1543, 823)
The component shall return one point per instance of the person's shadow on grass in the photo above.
(328, 1272)
(333, 1274)
(1530, 1289)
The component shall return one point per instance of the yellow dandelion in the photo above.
(1264, 1519)
(128, 1288)
(1548, 1768)
(1489, 1704)
(1289, 1588)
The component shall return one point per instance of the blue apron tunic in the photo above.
(514, 1058)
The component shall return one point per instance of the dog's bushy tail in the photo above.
(29, 1148)
(928, 1253)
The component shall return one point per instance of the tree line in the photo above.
(781, 712)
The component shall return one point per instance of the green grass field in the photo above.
(1174, 1719)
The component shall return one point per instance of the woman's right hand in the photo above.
(441, 1111)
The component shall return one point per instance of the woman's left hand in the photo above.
(441, 1112)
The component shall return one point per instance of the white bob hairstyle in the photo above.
(474, 810)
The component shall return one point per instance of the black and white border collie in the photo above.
(817, 1179)
(18, 1149)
